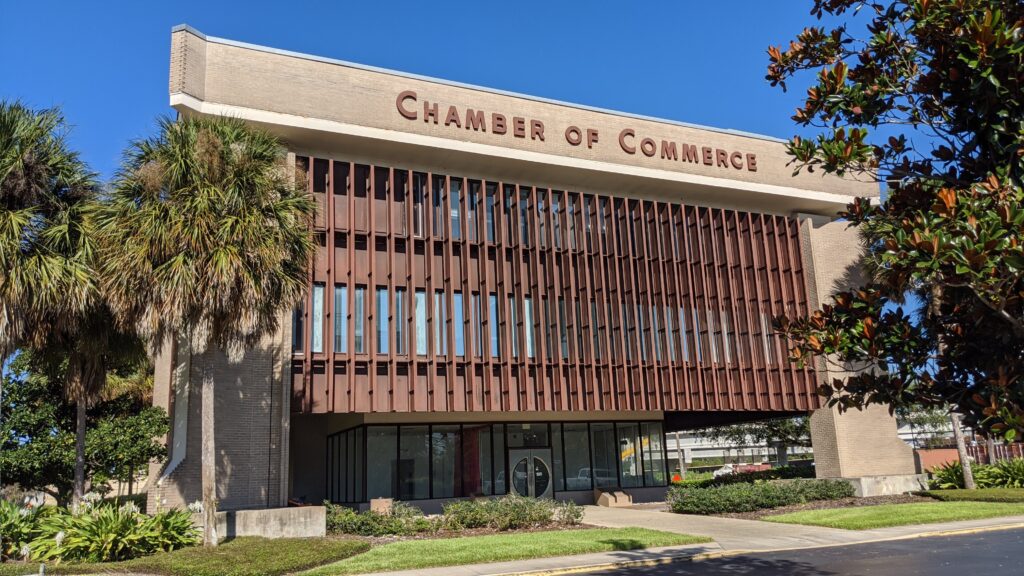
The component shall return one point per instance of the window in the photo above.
(524, 215)
(445, 462)
(656, 332)
(400, 345)
(414, 463)
(472, 226)
(440, 324)
(630, 467)
(542, 218)
(577, 456)
(640, 330)
(510, 208)
(454, 200)
(489, 209)
(458, 324)
(492, 305)
(769, 343)
(316, 343)
(571, 218)
(652, 440)
(513, 329)
(421, 322)
(556, 224)
(382, 442)
(418, 193)
(500, 479)
(477, 460)
(298, 330)
(476, 319)
(712, 335)
(726, 335)
(670, 335)
(528, 326)
(382, 321)
(341, 318)
(595, 329)
(604, 455)
(562, 330)
(437, 201)
(360, 320)
(683, 339)
(698, 345)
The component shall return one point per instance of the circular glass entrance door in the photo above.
(541, 478)
(521, 477)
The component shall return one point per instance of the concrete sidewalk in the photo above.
(731, 536)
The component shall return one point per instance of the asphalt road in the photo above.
(998, 552)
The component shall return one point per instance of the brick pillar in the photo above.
(857, 443)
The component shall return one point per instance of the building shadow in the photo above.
(732, 566)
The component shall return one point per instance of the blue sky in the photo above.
(105, 63)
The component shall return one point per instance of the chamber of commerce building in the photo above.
(510, 295)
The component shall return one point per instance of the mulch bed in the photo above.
(829, 504)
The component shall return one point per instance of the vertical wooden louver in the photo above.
(633, 304)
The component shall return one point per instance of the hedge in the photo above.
(783, 473)
(749, 497)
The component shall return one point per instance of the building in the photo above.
(511, 294)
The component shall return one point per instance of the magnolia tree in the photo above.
(927, 98)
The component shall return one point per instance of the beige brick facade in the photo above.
(251, 426)
(855, 443)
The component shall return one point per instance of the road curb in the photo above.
(701, 556)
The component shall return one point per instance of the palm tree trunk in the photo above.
(782, 454)
(208, 458)
(78, 492)
(990, 447)
(961, 450)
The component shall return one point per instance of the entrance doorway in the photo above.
(531, 472)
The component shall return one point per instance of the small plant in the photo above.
(569, 513)
(1008, 473)
(467, 514)
(105, 533)
(18, 527)
(403, 520)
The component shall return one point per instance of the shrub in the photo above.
(18, 527)
(465, 514)
(107, 533)
(569, 514)
(512, 512)
(403, 520)
(1008, 473)
(748, 497)
(783, 473)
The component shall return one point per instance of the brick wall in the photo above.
(855, 443)
(251, 418)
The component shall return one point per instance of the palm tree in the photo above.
(47, 285)
(206, 236)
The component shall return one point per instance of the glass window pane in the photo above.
(414, 463)
(513, 328)
(454, 204)
(472, 200)
(524, 215)
(440, 324)
(528, 435)
(438, 206)
(654, 454)
(629, 455)
(358, 460)
(604, 456)
(316, 343)
(447, 472)
(418, 195)
(489, 208)
(476, 460)
(577, 456)
(528, 326)
(400, 345)
(341, 318)
(382, 443)
(492, 301)
(421, 323)
(360, 320)
(557, 457)
(500, 482)
(458, 325)
(298, 330)
(477, 321)
(382, 321)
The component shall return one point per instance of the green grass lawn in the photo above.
(238, 557)
(867, 517)
(412, 554)
(979, 495)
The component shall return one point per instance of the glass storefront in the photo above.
(419, 462)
